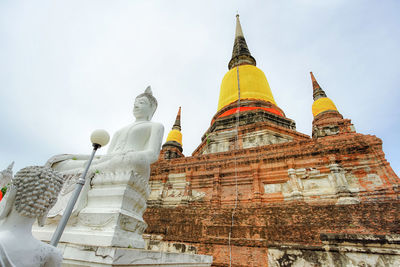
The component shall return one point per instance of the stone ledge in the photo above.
(337, 238)
(92, 256)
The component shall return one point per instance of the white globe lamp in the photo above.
(100, 137)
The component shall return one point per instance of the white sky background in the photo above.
(69, 67)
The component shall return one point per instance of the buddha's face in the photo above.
(142, 109)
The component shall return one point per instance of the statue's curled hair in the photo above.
(37, 189)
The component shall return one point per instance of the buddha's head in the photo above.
(34, 191)
(145, 105)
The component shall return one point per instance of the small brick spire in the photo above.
(317, 90)
(240, 54)
(172, 148)
(174, 137)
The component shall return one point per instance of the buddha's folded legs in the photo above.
(77, 163)
(69, 165)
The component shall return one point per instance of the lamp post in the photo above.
(98, 138)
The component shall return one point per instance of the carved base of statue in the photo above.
(111, 216)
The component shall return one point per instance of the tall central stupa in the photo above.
(245, 81)
(245, 100)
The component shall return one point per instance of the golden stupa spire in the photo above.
(240, 54)
(243, 73)
(321, 102)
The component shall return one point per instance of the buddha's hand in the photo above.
(120, 161)
(100, 163)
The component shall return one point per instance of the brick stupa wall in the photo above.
(300, 194)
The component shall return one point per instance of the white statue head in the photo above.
(145, 105)
(33, 192)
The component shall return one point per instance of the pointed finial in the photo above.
(177, 124)
(317, 90)
(239, 31)
(240, 54)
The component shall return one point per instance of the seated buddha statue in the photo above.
(132, 149)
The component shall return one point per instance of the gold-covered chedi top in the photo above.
(321, 102)
(244, 74)
(172, 148)
(175, 134)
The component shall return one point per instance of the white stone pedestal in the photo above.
(112, 216)
(92, 256)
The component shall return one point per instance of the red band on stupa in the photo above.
(234, 110)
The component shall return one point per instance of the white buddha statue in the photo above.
(33, 192)
(132, 149)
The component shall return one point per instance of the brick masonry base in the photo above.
(257, 229)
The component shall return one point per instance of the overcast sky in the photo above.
(69, 67)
